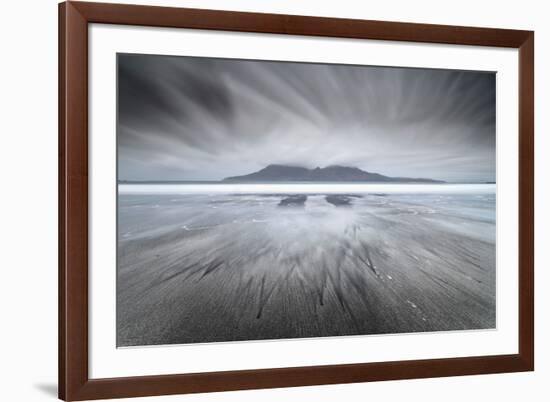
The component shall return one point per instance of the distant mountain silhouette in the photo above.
(281, 173)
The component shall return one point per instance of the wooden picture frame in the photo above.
(74, 381)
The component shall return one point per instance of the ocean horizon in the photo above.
(307, 188)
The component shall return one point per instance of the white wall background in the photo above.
(28, 201)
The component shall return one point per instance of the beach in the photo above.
(213, 264)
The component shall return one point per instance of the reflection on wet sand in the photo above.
(223, 267)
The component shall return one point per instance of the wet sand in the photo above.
(227, 267)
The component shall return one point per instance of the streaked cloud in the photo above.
(186, 118)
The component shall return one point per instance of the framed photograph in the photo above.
(258, 200)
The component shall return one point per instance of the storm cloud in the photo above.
(188, 118)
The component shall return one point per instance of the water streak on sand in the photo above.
(341, 263)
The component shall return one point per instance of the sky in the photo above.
(189, 118)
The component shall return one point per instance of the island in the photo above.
(284, 173)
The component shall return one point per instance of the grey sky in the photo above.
(184, 118)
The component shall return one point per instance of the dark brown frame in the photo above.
(74, 383)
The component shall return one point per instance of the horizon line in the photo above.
(145, 181)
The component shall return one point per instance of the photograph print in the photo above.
(275, 200)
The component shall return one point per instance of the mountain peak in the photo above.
(333, 173)
(279, 166)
